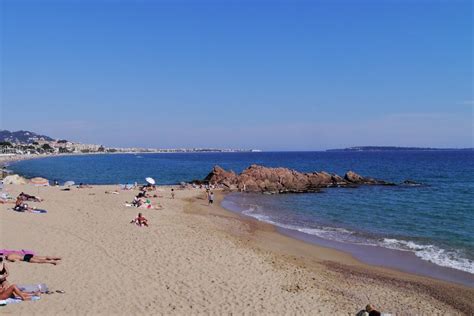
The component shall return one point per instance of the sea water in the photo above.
(434, 221)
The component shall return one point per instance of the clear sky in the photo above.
(274, 75)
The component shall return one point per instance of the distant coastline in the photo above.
(395, 148)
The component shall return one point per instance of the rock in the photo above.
(411, 183)
(14, 179)
(282, 180)
(353, 177)
(218, 175)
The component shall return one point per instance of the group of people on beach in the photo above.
(8, 290)
(142, 200)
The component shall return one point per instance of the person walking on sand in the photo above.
(172, 194)
(210, 198)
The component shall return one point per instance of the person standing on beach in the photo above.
(172, 193)
(211, 197)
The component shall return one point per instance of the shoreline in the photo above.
(196, 258)
(303, 253)
(410, 263)
(403, 261)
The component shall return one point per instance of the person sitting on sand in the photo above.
(84, 186)
(14, 257)
(137, 202)
(372, 311)
(8, 290)
(140, 220)
(27, 197)
(20, 206)
(369, 311)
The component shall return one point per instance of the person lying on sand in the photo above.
(112, 192)
(84, 186)
(8, 290)
(6, 201)
(140, 220)
(27, 197)
(14, 257)
(6, 197)
(144, 194)
(148, 187)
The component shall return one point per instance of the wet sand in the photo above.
(195, 259)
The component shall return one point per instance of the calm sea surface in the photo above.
(434, 221)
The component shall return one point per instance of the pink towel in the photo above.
(7, 252)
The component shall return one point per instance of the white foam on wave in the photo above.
(451, 259)
(431, 253)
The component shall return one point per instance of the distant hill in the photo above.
(24, 137)
(394, 148)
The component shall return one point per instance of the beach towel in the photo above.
(7, 252)
(38, 211)
(16, 300)
(35, 211)
(32, 288)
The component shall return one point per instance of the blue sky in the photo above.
(274, 75)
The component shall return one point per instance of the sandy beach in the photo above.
(194, 259)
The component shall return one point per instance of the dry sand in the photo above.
(195, 259)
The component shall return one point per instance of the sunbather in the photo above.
(83, 186)
(140, 220)
(369, 311)
(20, 206)
(5, 200)
(27, 197)
(14, 257)
(8, 290)
(112, 192)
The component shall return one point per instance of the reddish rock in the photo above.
(353, 177)
(281, 180)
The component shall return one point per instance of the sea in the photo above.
(426, 229)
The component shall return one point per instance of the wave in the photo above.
(434, 254)
(442, 257)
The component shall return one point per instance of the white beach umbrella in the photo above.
(69, 183)
(150, 180)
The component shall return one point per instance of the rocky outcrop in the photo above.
(411, 183)
(282, 180)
